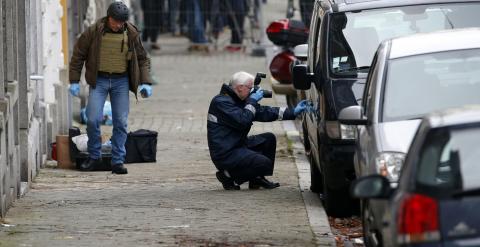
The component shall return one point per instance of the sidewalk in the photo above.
(176, 201)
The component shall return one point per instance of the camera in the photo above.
(256, 83)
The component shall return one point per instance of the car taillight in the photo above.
(418, 219)
(288, 33)
(278, 26)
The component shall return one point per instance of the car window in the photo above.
(436, 81)
(318, 45)
(368, 92)
(449, 159)
(355, 36)
(313, 37)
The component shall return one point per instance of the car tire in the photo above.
(292, 101)
(306, 141)
(316, 178)
(367, 227)
(337, 202)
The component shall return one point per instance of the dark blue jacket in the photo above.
(230, 120)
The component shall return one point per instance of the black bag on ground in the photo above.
(141, 146)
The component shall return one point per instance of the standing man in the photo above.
(306, 9)
(196, 26)
(115, 62)
(238, 157)
(152, 20)
(236, 12)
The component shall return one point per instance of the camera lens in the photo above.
(267, 94)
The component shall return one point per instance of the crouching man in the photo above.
(238, 157)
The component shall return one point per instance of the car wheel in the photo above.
(306, 141)
(292, 101)
(368, 230)
(316, 178)
(337, 202)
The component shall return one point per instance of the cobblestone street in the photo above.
(176, 201)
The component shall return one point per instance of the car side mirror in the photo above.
(372, 186)
(301, 52)
(352, 115)
(302, 79)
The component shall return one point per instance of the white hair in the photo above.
(241, 78)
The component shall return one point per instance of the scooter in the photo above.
(286, 33)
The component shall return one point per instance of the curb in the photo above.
(316, 214)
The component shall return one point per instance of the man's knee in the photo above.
(262, 163)
(94, 122)
(121, 122)
(270, 138)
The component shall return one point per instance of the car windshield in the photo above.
(354, 36)
(418, 85)
(450, 159)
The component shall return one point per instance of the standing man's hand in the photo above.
(145, 90)
(301, 107)
(74, 88)
(258, 95)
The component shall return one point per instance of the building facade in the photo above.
(36, 40)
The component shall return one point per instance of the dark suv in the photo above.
(344, 35)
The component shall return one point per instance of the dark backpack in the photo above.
(141, 146)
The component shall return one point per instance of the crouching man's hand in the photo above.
(300, 108)
(145, 90)
(257, 95)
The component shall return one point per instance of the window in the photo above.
(368, 92)
(354, 37)
(449, 159)
(436, 81)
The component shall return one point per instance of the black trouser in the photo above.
(258, 161)
(152, 19)
(306, 8)
(236, 22)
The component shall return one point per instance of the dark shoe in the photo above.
(119, 169)
(227, 182)
(91, 164)
(155, 46)
(262, 182)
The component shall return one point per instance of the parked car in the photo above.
(438, 195)
(344, 36)
(411, 77)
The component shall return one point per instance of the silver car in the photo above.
(438, 195)
(410, 77)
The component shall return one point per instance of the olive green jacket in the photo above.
(87, 50)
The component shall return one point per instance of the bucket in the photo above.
(63, 152)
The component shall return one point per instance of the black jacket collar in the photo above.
(227, 90)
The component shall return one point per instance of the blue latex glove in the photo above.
(301, 107)
(257, 95)
(145, 90)
(74, 88)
